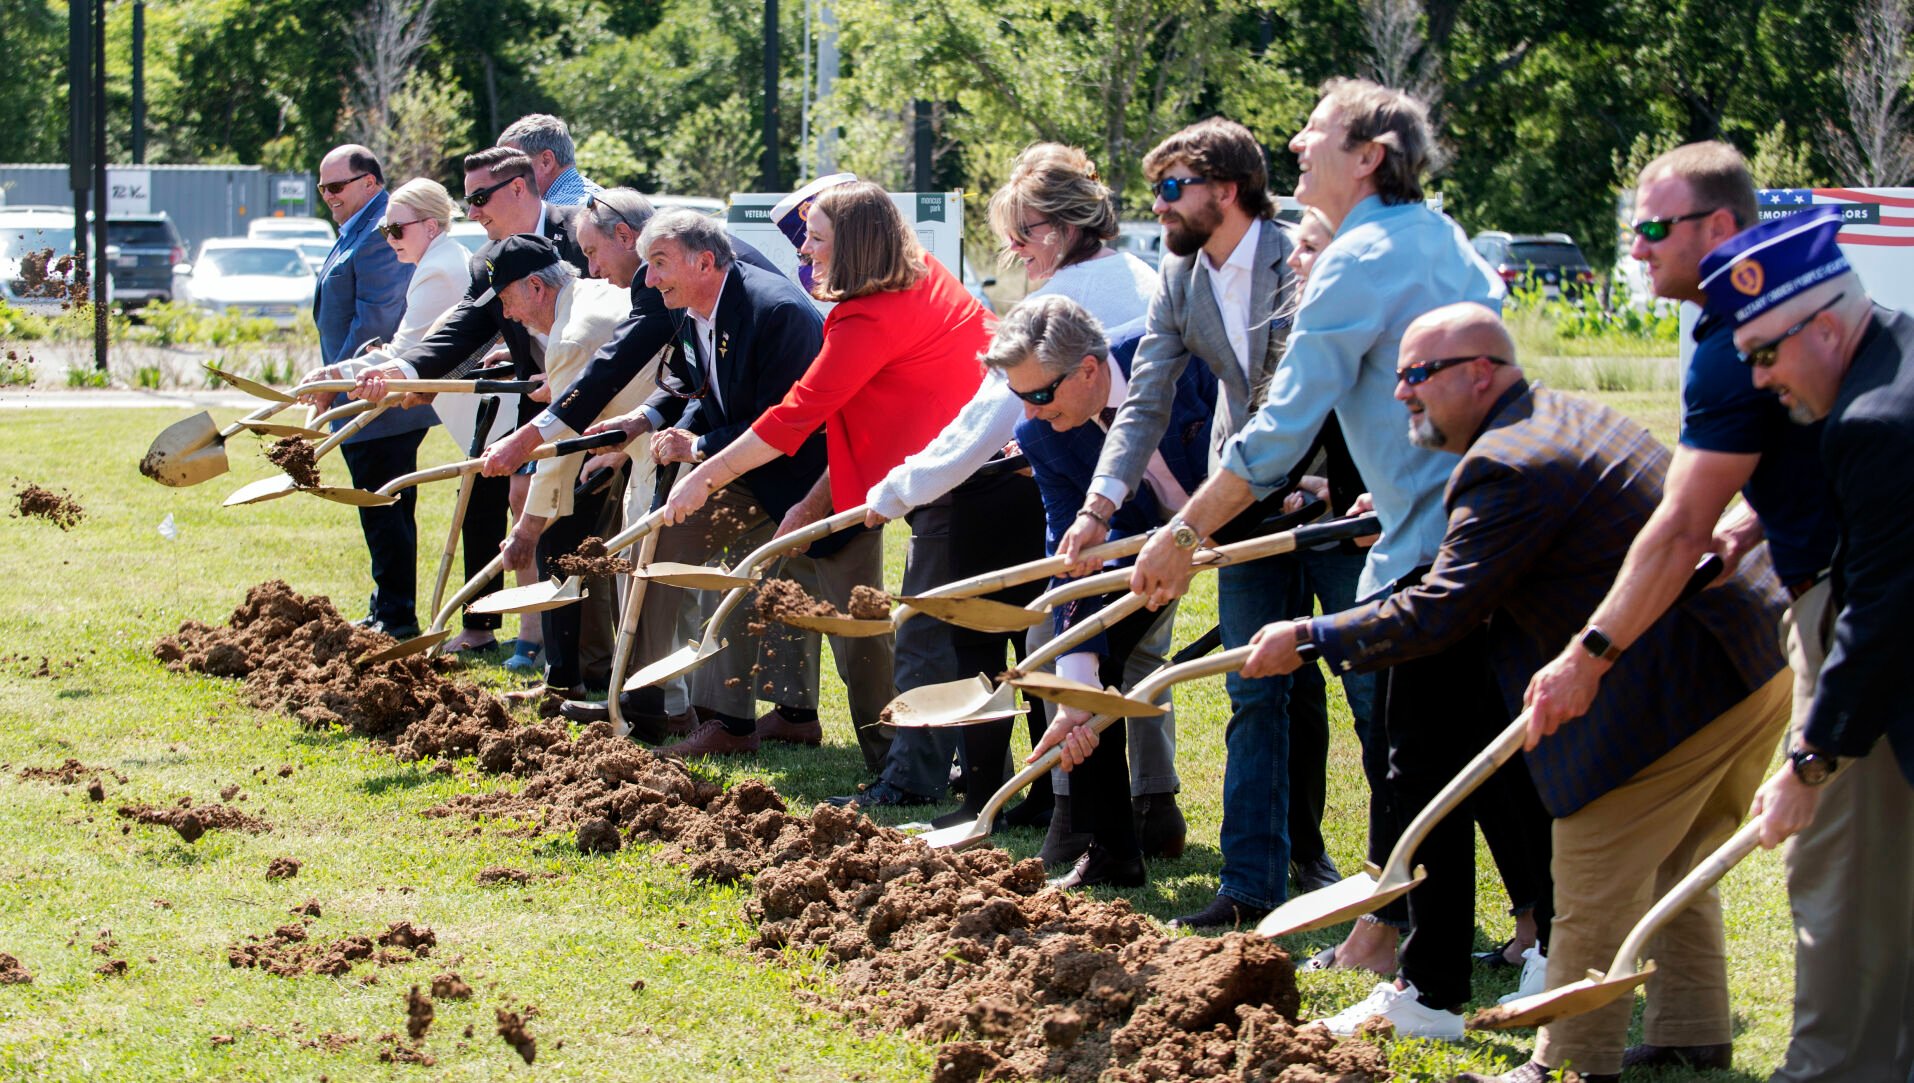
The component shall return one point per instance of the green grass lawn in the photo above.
(572, 941)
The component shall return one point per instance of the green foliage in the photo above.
(87, 377)
(1779, 161)
(17, 324)
(15, 370)
(609, 160)
(147, 377)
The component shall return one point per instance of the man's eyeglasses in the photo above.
(484, 195)
(1420, 372)
(1764, 355)
(1170, 189)
(592, 201)
(1656, 230)
(333, 188)
(1043, 396)
(395, 230)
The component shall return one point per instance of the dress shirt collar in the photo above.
(352, 223)
(1243, 256)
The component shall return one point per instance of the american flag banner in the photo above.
(1877, 233)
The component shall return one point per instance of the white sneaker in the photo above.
(1534, 976)
(1399, 1007)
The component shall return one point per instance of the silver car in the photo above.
(257, 279)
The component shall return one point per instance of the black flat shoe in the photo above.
(1223, 912)
(1097, 868)
(1495, 959)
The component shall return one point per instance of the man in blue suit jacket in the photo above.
(361, 295)
(1054, 356)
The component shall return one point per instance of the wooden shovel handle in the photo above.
(1683, 895)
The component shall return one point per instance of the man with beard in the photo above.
(1226, 295)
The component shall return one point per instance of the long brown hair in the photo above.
(872, 248)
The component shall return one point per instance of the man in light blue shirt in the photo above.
(547, 141)
(1361, 158)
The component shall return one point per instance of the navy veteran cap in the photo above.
(506, 261)
(1760, 267)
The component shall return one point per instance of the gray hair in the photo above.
(1059, 332)
(557, 276)
(535, 132)
(696, 232)
(613, 207)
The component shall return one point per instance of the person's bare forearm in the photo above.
(1222, 498)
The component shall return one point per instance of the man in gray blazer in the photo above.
(1226, 297)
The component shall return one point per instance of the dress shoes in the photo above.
(1099, 868)
(1315, 874)
(711, 739)
(1062, 844)
(774, 725)
(1160, 826)
(1691, 1057)
(881, 793)
(1223, 912)
(400, 632)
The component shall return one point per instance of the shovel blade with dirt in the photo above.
(193, 449)
(749, 570)
(1084, 697)
(532, 598)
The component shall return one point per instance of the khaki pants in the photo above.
(1619, 853)
(1851, 888)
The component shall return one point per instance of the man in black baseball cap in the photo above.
(509, 259)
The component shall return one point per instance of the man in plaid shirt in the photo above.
(1541, 510)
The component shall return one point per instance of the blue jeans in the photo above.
(1255, 834)
(1329, 578)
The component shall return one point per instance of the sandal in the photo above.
(524, 657)
(1498, 958)
(1322, 960)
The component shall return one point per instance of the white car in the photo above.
(36, 271)
(291, 229)
(257, 279)
(469, 234)
(314, 252)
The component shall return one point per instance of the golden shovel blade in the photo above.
(955, 837)
(358, 498)
(977, 614)
(186, 452)
(849, 627)
(692, 576)
(1575, 998)
(1069, 693)
(531, 598)
(676, 664)
(405, 649)
(276, 429)
(1353, 897)
(267, 488)
(953, 703)
(251, 387)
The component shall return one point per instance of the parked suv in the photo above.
(148, 245)
(1548, 261)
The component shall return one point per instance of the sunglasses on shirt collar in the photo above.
(1421, 371)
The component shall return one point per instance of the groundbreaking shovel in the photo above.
(692, 655)
(482, 427)
(1622, 976)
(1068, 693)
(965, 835)
(947, 602)
(746, 574)
(1372, 889)
(278, 485)
(428, 387)
(194, 450)
(634, 600)
(388, 493)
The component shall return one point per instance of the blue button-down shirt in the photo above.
(569, 189)
(1388, 265)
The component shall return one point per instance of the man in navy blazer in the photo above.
(1054, 356)
(360, 297)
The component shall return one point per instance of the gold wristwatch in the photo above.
(1183, 534)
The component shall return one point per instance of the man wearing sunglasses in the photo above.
(1809, 333)
(1549, 492)
(1736, 437)
(360, 296)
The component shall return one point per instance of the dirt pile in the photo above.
(12, 972)
(282, 868)
(295, 457)
(502, 874)
(290, 951)
(59, 509)
(192, 821)
(449, 986)
(592, 558)
(870, 603)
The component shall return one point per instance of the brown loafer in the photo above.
(774, 726)
(711, 739)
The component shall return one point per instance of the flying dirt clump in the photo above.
(870, 603)
(61, 510)
(295, 457)
(511, 1027)
(591, 558)
(192, 821)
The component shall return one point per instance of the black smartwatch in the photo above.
(1596, 642)
(1307, 649)
(1812, 768)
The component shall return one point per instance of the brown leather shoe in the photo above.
(1679, 1056)
(711, 739)
(774, 726)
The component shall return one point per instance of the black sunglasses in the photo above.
(1764, 355)
(1419, 373)
(1170, 189)
(593, 201)
(396, 230)
(1043, 396)
(484, 195)
(1656, 230)
(333, 188)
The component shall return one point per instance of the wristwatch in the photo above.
(1307, 648)
(1596, 642)
(1812, 768)
(1183, 534)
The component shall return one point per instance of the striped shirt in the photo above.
(571, 190)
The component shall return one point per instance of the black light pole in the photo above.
(920, 147)
(139, 82)
(79, 147)
(101, 272)
(768, 167)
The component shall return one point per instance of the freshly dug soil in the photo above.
(295, 457)
(37, 503)
(779, 599)
(282, 868)
(591, 558)
(418, 1014)
(289, 951)
(12, 972)
(192, 821)
(971, 949)
(67, 773)
(870, 603)
(449, 986)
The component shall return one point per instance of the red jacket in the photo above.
(896, 367)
